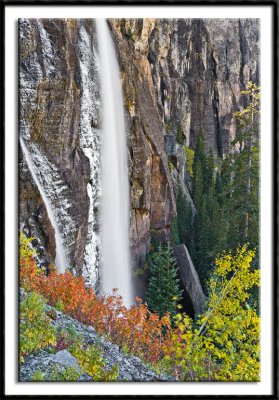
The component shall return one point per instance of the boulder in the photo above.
(189, 277)
(65, 358)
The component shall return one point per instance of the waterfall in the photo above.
(116, 265)
(89, 139)
(60, 259)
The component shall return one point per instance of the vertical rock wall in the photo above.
(177, 75)
(198, 68)
(57, 121)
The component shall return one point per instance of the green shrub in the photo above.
(59, 305)
(70, 374)
(189, 160)
(66, 338)
(57, 374)
(92, 362)
(37, 376)
(36, 332)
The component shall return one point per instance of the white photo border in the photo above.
(12, 13)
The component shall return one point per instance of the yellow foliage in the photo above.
(26, 251)
(92, 362)
(35, 329)
(224, 343)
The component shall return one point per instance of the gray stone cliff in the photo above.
(176, 75)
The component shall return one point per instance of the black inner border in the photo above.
(275, 169)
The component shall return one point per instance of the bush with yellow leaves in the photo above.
(36, 332)
(224, 342)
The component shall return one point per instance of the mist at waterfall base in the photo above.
(60, 258)
(116, 263)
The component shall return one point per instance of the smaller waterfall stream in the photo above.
(116, 268)
(60, 259)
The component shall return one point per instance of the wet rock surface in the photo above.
(50, 91)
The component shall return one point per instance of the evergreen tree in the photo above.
(199, 169)
(200, 153)
(202, 229)
(198, 185)
(242, 175)
(174, 233)
(209, 171)
(217, 237)
(226, 202)
(206, 223)
(219, 188)
(163, 293)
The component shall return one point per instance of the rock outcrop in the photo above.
(181, 75)
(189, 277)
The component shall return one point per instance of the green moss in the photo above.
(171, 166)
(189, 160)
(179, 135)
(131, 35)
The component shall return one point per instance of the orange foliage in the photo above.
(137, 329)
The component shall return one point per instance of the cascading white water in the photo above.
(116, 268)
(60, 259)
(89, 139)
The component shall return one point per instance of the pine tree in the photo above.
(209, 171)
(199, 170)
(217, 238)
(202, 232)
(242, 175)
(198, 185)
(163, 293)
(174, 232)
(200, 153)
(227, 203)
(206, 223)
(219, 188)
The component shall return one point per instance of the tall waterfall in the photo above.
(116, 268)
(60, 259)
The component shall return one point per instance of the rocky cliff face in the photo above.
(198, 69)
(59, 106)
(178, 76)
(152, 198)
